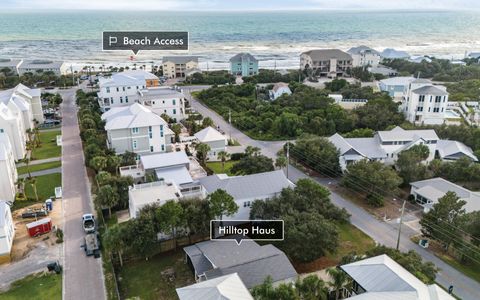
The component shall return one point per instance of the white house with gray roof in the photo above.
(363, 56)
(453, 150)
(425, 103)
(213, 138)
(8, 170)
(164, 100)
(326, 62)
(10, 64)
(42, 65)
(279, 89)
(381, 278)
(427, 192)
(253, 263)
(121, 89)
(224, 287)
(7, 231)
(384, 146)
(137, 129)
(247, 188)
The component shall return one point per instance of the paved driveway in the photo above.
(83, 276)
(383, 233)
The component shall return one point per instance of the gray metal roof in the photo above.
(430, 90)
(326, 54)
(366, 147)
(243, 56)
(248, 186)
(436, 188)
(392, 53)
(179, 59)
(40, 64)
(9, 63)
(400, 134)
(453, 150)
(162, 160)
(362, 49)
(252, 262)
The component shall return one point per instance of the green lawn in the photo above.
(143, 279)
(216, 167)
(352, 239)
(39, 167)
(48, 147)
(46, 185)
(38, 287)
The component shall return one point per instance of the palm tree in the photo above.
(36, 139)
(33, 183)
(114, 241)
(252, 151)
(223, 156)
(312, 287)
(26, 161)
(21, 185)
(339, 280)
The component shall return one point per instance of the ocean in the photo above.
(275, 38)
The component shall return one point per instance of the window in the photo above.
(436, 109)
(149, 128)
(108, 90)
(124, 89)
(118, 89)
(420, 108)
(134, 144)
(174, 111)
(135, 130)
(246, 204)
(438, 99)
(137, 87)
(173, 101)
(150, 135)
(151, 148)
(111, 100)
(163, 147)
(421, 98)
(161, 127)
(1, 130)
(121, 99)
(161, 133)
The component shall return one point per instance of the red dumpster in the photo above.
(39, 227)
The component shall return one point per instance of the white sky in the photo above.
(239, 5)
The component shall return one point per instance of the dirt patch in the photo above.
(23, 243)
(318, 264)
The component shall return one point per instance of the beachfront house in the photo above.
(244, 64)
(326, 62)
(38, 65)
(363, 56)
(137, 129)
(213, 138)
(380, 277)
(179, 66)
(279, 89)
(348, 103)
(7, 232)
(8, 170)
(390, 53)
(224, 287)
(395, 86)
(253, 263)
(164, 100)
(383, 70)
(121, 89)
(10, 64)
(427, 192)
(247, 188)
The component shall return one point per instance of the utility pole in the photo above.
(288, 156)
(73, 77)
(400, 225)
(230, 122)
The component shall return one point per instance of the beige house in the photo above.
(179, 66)
(326, 62)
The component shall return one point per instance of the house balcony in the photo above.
(135, 171)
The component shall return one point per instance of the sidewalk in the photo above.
(40, 161)
(43, 172)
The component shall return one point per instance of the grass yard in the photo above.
(39, 167)
(471, 270)
(46, 185)
(216, 167)
(39, 287)
(48, 147)
(144, 280)
(352, 239)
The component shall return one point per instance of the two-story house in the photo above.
(326, 62)
(244, 64)
(363, 56)
(137, 129)
(169, 101)
(121, 89)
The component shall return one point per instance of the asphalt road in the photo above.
(83, 276)
(382, 232)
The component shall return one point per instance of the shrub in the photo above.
(375, 200)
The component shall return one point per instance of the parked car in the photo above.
(52, 122)
(88, 223)
(92, 245)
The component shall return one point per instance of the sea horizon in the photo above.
(276, 37)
